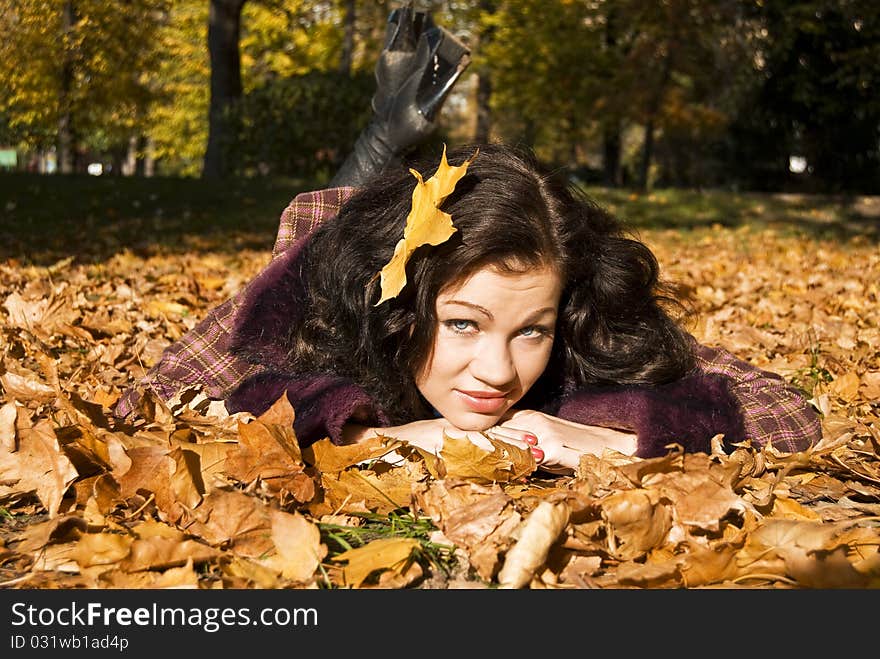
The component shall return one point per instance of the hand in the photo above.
(560, 443)
(426, 434)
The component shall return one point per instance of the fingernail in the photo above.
(529, 438)
(537, 453)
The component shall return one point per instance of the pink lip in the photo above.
(484, 402)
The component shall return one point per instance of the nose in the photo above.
(492, 363)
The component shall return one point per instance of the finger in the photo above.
(560, 460)
(521, 434)
(450, 57)
(400, 33)
(506, 437)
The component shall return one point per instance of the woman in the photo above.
(537, 322)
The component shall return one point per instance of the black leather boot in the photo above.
(417, 69)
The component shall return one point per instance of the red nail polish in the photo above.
(537, 453)
(529, 438)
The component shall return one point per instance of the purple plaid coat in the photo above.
(723, 395)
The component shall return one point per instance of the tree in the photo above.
(224, 31)
(818, 62)
(73, 71)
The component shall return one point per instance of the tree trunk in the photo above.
(348, 21)
(224, 29)
(613, 173)
(149, 161)
(66, 142)
(653, 111)
(647, 154)
(483, 125)
(611, 141)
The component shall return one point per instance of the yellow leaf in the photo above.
(299, 546)
(426, 224)
(382, 554)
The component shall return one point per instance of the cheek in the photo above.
(448, 359)
(531, 364)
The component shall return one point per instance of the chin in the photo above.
(473, 421)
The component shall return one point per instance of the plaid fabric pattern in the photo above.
(201, 357)
(775, 412)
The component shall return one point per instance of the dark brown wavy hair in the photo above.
(615, 322)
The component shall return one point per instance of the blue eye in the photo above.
(534, 331)
(459, 325)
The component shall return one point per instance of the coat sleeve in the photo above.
(774, 412)
(202, 357)
(688, 412)
(322, 404)
(722, 395)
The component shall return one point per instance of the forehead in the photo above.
(492, 286)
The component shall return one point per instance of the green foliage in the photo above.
(178, 121)
(814, 95)
(91, 70)
(301, 126)
(397, 524)
(543, 59)
(731, 88)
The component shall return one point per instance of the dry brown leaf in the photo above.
(8, 417)
(25, 385)
(366, 490)
(330, 458)
(101, 549)
(298, 543)
(505, 463)
(478, 518)
(183, 577)
(39, 466)
(157, 552)
(540, 530)
(233, 520)
(636, 521)
(268, 450)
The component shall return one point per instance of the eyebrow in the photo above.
(476, 307)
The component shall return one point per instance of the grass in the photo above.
(397, 524)
(45, 218)
(42, 217)
(820, 216)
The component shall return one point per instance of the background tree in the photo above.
(224, 31)
(73, 72)
(813, 94)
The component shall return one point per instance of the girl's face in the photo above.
(493, 340)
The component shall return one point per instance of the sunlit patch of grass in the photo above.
(397, 524)
(808, 378)
(818, 216)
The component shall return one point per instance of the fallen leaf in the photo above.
(393, 554)
(426, 224)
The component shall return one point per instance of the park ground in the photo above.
(99, 275)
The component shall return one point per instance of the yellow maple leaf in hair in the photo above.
(426, 224)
